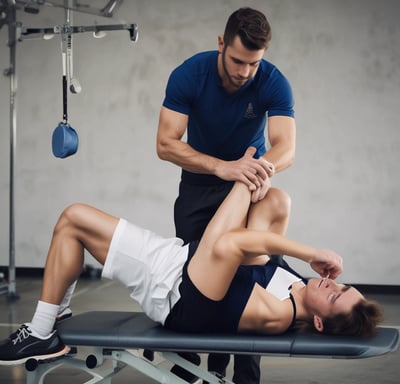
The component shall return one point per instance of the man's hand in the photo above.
(250, 171)
(261, 191)
(269, 167)
(327, 262)
(265, 184)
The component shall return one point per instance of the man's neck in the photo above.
(225, 82)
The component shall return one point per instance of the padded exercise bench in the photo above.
(114, 340)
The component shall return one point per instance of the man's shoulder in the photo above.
(269, 70)
(200, 62)
(201, 57)
(270, 79)
(195, 70)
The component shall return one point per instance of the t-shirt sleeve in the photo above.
(178, 95)
(280, 100)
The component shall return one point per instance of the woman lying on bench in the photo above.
(226, 282)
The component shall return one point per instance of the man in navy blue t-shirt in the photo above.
(224, 100)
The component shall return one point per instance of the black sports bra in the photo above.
(294, 310)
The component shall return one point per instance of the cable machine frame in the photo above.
(8, 15)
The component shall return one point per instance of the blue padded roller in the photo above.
(64, 141)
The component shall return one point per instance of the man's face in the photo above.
(238, 64)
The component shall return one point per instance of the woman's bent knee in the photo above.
(70, 216)
(280, 201)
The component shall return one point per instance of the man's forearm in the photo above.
(281, 156)
(184, 156)
(282, 139)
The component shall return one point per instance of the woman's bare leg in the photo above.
(212, 275)
(206, 271)
(79, 227)
(272, 213)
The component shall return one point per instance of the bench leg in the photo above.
(103, 364)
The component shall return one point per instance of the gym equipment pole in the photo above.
(11, 72)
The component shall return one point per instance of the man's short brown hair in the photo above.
(251, 26)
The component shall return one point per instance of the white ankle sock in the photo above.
(44, 318)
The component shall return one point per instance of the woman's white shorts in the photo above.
(149, 265)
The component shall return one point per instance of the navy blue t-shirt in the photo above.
(223, 124)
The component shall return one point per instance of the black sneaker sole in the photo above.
(61, 353)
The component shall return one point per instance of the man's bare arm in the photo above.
(170, 147)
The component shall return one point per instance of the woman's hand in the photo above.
(327, 262)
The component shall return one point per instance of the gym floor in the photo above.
(96, 294)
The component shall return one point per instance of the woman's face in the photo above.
(327, 298)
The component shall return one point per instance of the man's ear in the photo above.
(318, 323)
(220, 43)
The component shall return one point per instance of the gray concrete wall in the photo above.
(342, 58)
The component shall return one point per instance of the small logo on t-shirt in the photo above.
(249, 114)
